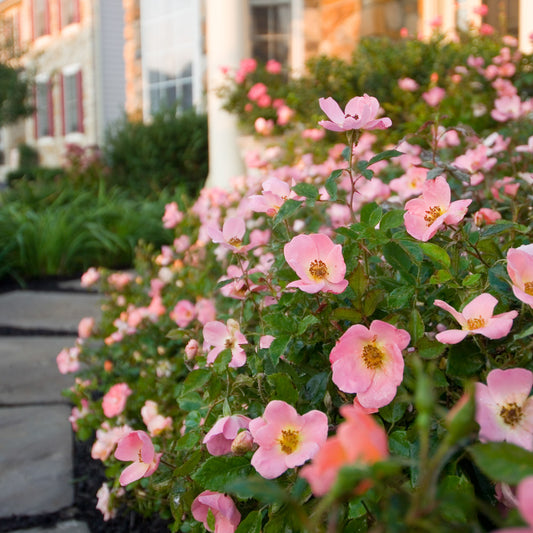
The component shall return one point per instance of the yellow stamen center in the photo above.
(528, 288)
(432, 214)
(235, 241)
(289, 440)
(476, 323)
(318, 269)
(372, 356)
(511, 414)
(139, 456)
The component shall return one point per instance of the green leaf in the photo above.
(440, 276)
(456, 499)
(345, 313)
(177, 333)
(331, 186)
(289, 207)
(498, 227)
(278, 347)
(393, 412)
(401, 297)
(189, 465)
(210, 520)
(218, 473)
(503, 461)
(251, 524)
(387, 154)
(347, 232)
(371, 214)
(392, 219)
(283, 388)
(264, 490)
(526, 333)
(307, 190)
(471, 280)
(222, 361)
(428, 349)
(195, 380)
(188, 441)
(358, 280)
(434, 172)
(371, 300)
(416, 325)
(362, 165)
(464, 360)
(306, 322)
(399, 444)
(436, 253)
(398, 258)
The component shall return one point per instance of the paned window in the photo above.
(41, 18)
(44, 109)
(503, 16)
(72, 90)
(70, 12)
(270, 31)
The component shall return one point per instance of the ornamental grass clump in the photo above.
(289, 363)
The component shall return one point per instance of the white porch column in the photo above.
(226, 31)
(525, 25)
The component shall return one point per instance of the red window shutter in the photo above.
(47, 17)
(19, 38)
(79, 100)
(62, 89)
(32, 19)
(35, 116)
(59, 19)
(77, 14)
(50, 106)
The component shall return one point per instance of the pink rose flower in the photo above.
(407, 84)
(359, 440)
(257, 90)
(524, 495)
(184, 313)
(264, 126)
(191, 350)
(486, 216)
(231, 235)
(426, 214)
(85, 327)
(114, 401)
(226, 515)
(205, 310)
(285, 113)
(520, 270)
(222, 336)
(106, 440)
(434, 96)
(477, 317)
(220, 437)
(369, 362)
(359, 114)
(273, 67)
(318, 262)
(78, 413)
(173, 216)
(68, 360)
(504, 409)
(90, 277)
(154, 422)
(285, 438)
(137, 447)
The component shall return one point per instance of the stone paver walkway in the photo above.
(35, 434)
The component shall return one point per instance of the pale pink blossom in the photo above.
(264, 126)
(408, 84)
(313, 134)
(78, 413)
(242, 443)
(504, 409)
(285, 438)
(476, 159)
(273, 67)
(360, 113)
(477, 318)
(114, 401)
(318, 262)
(359, 440)
(526, 147)
(486, 216)
(120, 280)
(173, 216)
(231, 235)
(68, 360)
(507, 185)
(369, 362)
(220, 437)
(90, 277)
(154, 422)
(191, 349)
(524, 497)
(507, 108)
(223, 336)
(265, 341)
(222, 508)
(481, 10)
(434, 96)
(205, 310)
(486, 29)
(85, 327)
(264, 101)
(520, 270)
(105, 501)
(183, 313)
(106, 440)
(426, 214)
(410, 184)
(137, 447)
(285, 113)
(274, 194)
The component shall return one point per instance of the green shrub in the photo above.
(170, 151)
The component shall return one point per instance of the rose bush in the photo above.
(297, 360)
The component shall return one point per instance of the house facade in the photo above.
(94, 60)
